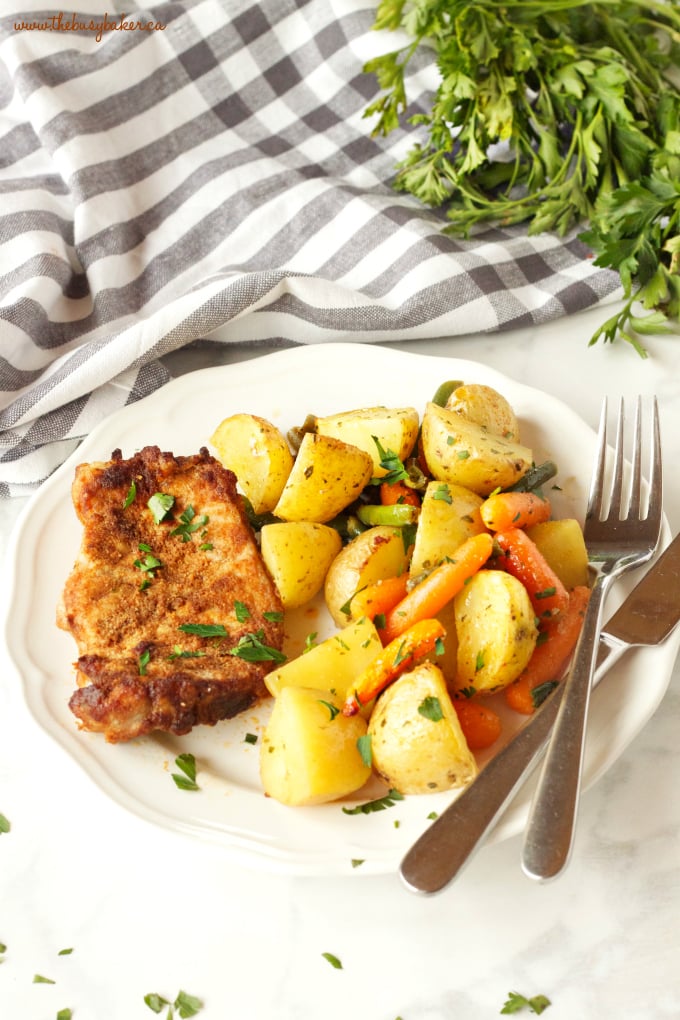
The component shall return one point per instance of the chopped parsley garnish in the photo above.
(250, 738)
(433, 816)
(150, 564)
(365, 749)
(439, 648)
(185, 1004)
(189, 524)
(516, 1002)
(401, 655)
(273, 616)
(4, 827)
(160, 505)
(463, 454)
(391, 463)
(545, 594)
(310, 642)
(177, 653)
(65, 1014)
(131, 495)
(333, 960)
(380, 619)
(380, 804)
(242, 612)
(65, 952)
(357, 861)
(143, 662)
(479, 661)
(252, 648)
(468, 692)
(186, 763)
(333, 709)
(38, 979)
(442, 493)
(204, 629)
(541, 692)
(431, 708)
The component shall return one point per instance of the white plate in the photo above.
(230, 807)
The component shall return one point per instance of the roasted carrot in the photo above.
(480, 724)
(398, 492)
(504, 510)
(559, 635)
(526, 562)
(397, 657)
(377, 599)
(426, 599)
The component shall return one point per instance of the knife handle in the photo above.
(438, 856)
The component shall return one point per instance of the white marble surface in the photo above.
(148, 911)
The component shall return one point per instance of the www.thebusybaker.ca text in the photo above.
(65, 23)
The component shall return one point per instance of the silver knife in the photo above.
(647, 617)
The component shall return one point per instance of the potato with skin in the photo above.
(309, 752)
(326, 477)
(449, 514)
(332, 665)
(395, 427)
(486, 407)
(259, 456)
(372, 556)
(564, 547)
(462, 452)
(298, 554)
(496, 629)
(417, 742)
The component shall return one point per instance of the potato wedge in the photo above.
(485, 406)
(332, 665)
(309, 752)
(564, 547)
(460, 451)
(396, 428)
(448, 515)
(496, 629)
(298, 555)
(373, 555)
(259, 456)
(416, 739)
(326, 477)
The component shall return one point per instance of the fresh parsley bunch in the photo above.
(553, 113)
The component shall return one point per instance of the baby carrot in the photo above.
(426, 599)
(377, 599)
(505, 510)
(527, 563)
(559, 635)
(398, 492)
(396, 658)
(480, 724)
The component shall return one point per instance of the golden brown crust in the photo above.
(134, 661)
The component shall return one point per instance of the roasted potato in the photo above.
(309, 752)
(396, 428)
(258, 454)
(326, 477)
(486, 407)
(373, 555)
(448, 515)
(564, 547)
(459, 451)
(416, 739)
(298, 555)
(496, 630)
(332, 665)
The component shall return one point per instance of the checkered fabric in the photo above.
(204, 170)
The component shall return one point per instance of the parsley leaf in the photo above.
(365, 749)
(186, 763)
(333, 960)
(391, 464)
(5, 825)
(204, 629)
(252, 648)
(380, 804)
(160, 505)
(189, 524)
(431, 708)
(516, 1002)
(131, 496)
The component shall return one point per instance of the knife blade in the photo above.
(646, 617)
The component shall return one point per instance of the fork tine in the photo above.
(597, 479)
(635, 503)
(616, 502)
(654, 512)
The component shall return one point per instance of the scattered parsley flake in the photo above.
(391, 463)
(379, 620)
(463, 454)
(365, 749)
(516, 1002)
(204, 629)
(380, 804)
(479, 661)
(187, 765)
(65, 1014)
(177, 653)
(251, 648)
(442, 493)
(433, 816)
(190, 524)
(5, 826)
(357, 861)
(39, 979)
(333, 960)
(431, 708)
(187, 1005)
(274, 617)
(541, 692)
(439, 647)
(545, 594)
(131, 496)
(250, 738)
(333, 709)
(65, 952)
(160, 505)
(143, 662)
(242, 612)
(310, 642)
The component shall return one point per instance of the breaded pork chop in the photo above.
(174, 614)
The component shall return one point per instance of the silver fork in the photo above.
(619, 535)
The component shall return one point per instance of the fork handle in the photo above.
(550, 830)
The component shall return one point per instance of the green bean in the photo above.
(395, 515)
(535, 477)
(444, 391)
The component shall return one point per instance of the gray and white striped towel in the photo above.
(202, 169)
